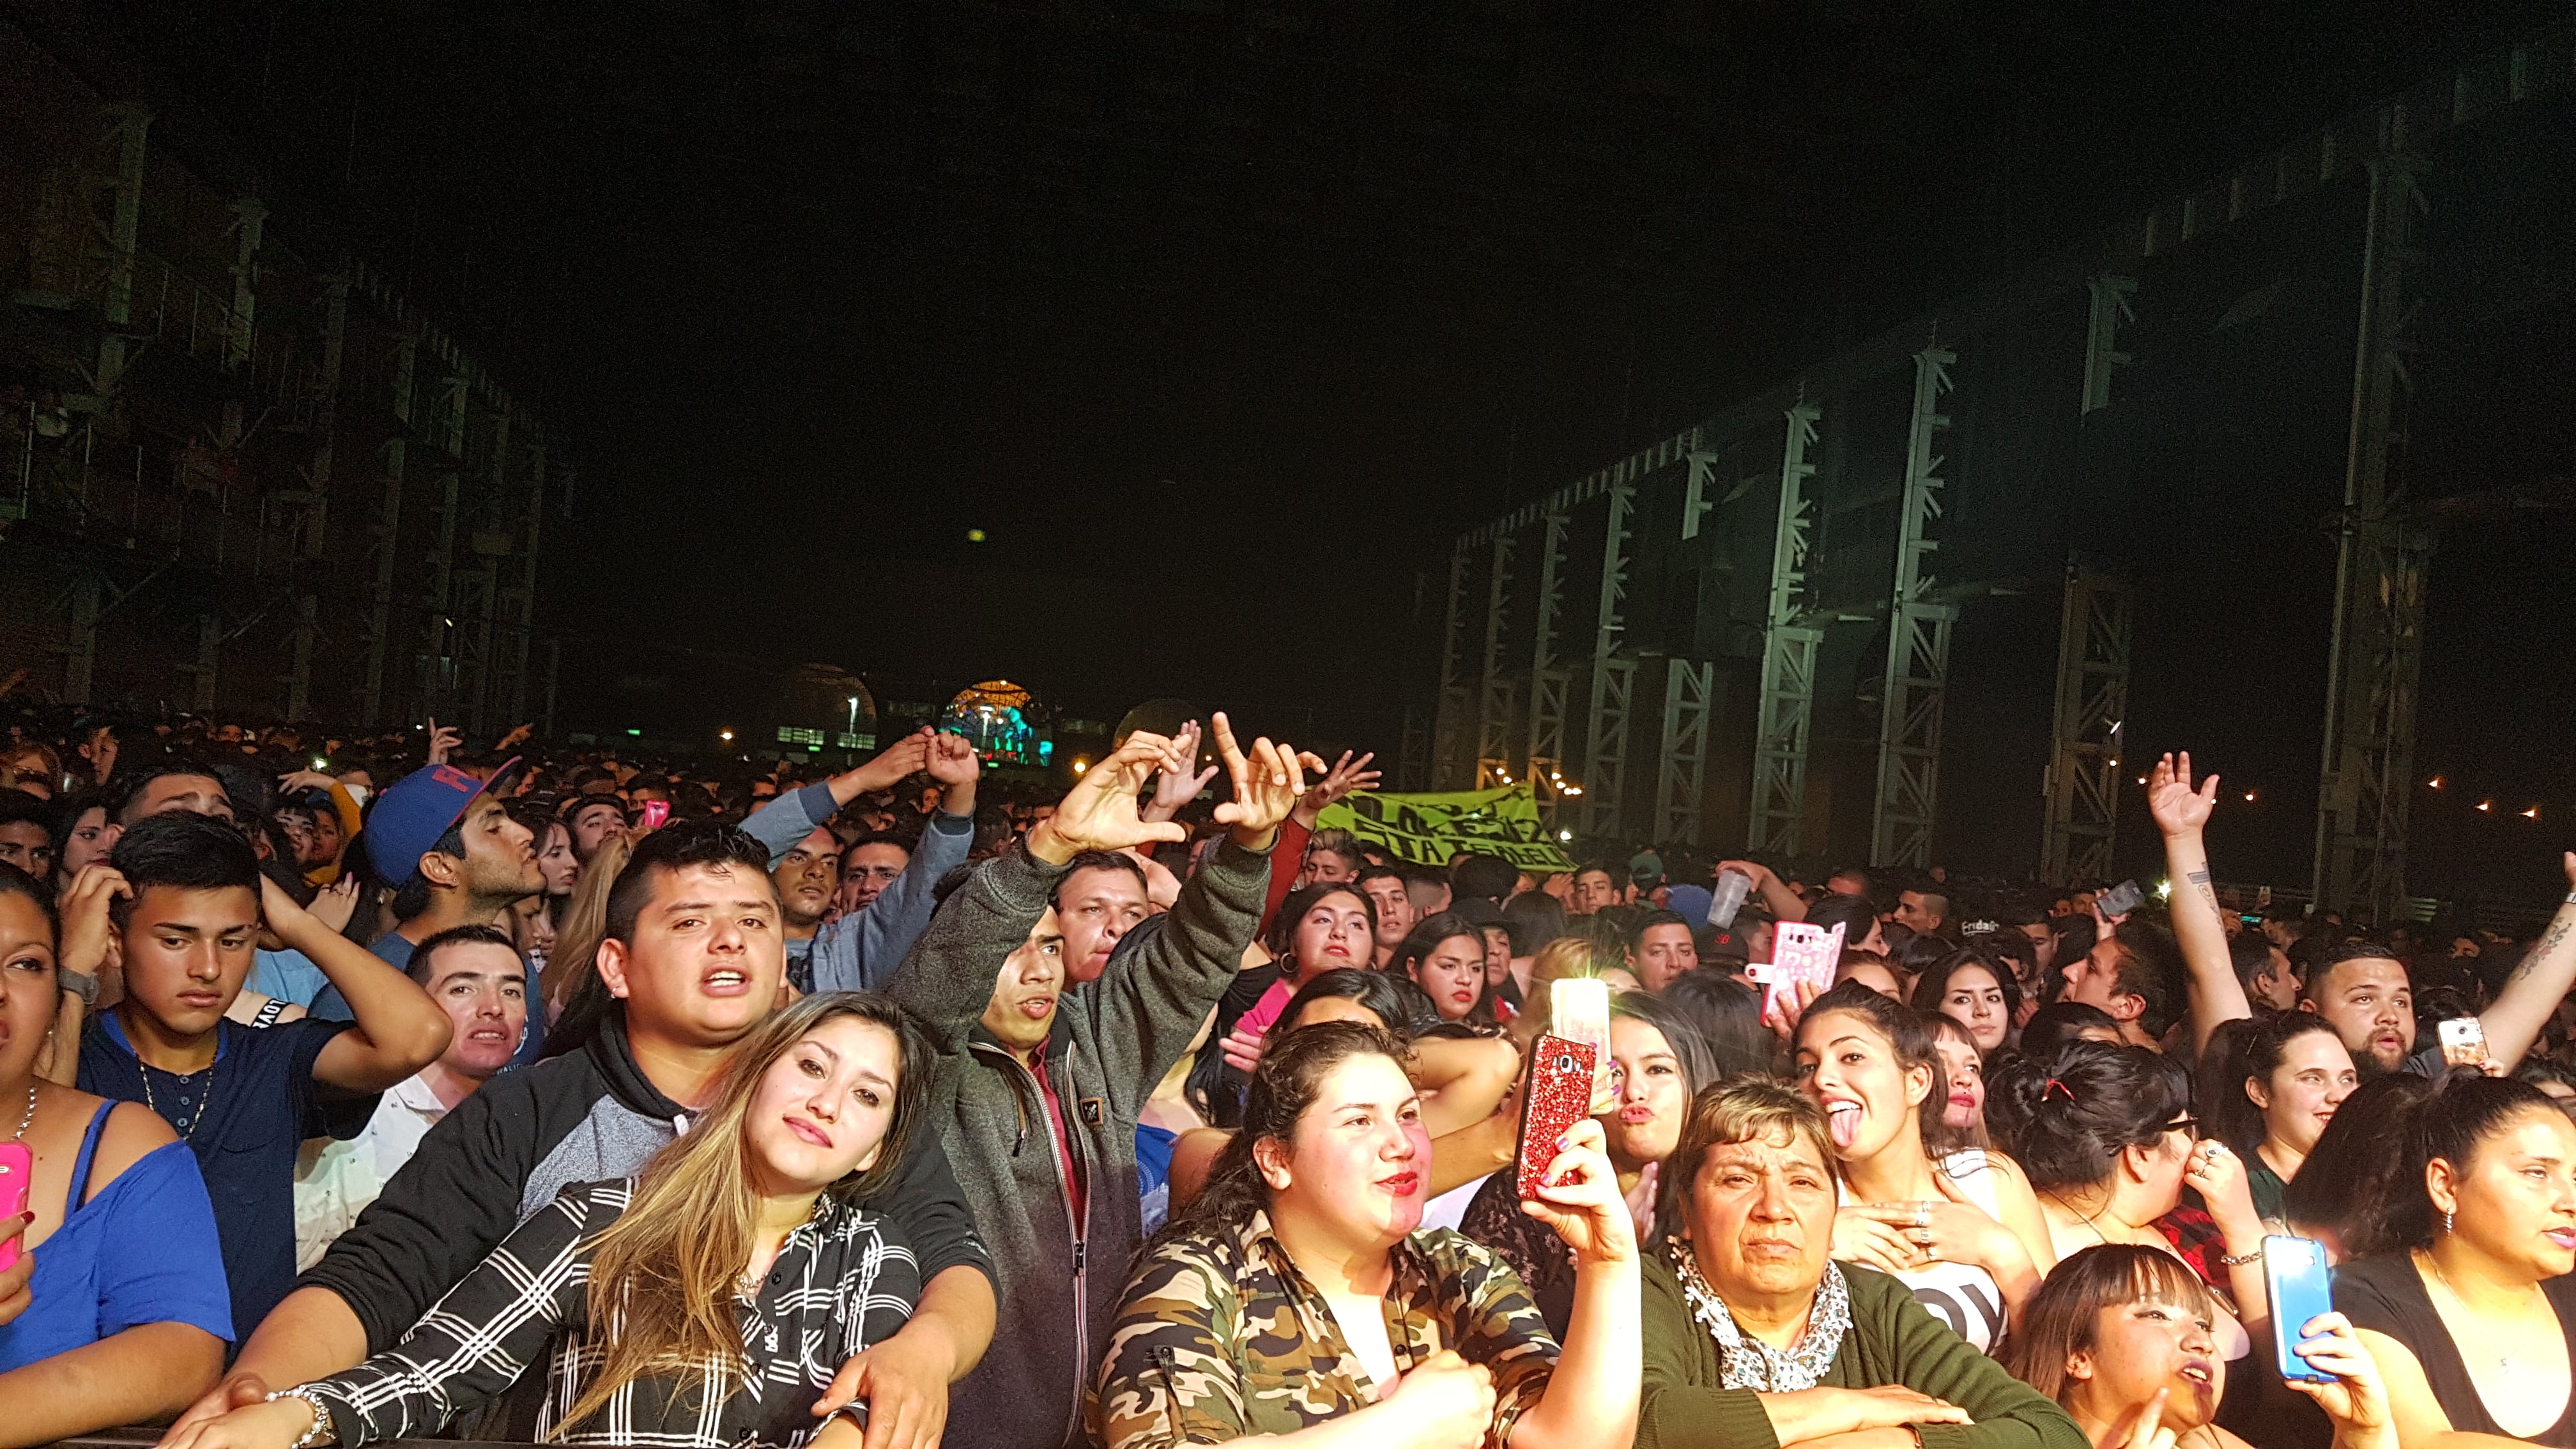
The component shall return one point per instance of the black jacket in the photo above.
(503, 1154)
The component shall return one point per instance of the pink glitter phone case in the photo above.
(1560, 1095)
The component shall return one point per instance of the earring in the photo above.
(2446, 1221)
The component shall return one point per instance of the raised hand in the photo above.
(951, 759)
(907, 756)
(303, 782)
(2356, 1401)
(1580, 1199)
(1345, 776)
(335, 903)
(442, 740)
(2177, 807)
(1176, 788)
(1099, 813)
(514, 737)
(1268, 783)
(87, 931)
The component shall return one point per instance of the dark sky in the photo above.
(1218, 318)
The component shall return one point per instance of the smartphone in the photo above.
(2464, 1041)
(654, 813)
(2119, 900)
(2294, 1278)
(17, 1179)
(1559, 1095)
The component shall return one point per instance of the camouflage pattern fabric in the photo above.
(1220, 1337)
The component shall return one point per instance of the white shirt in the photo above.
(334, 1180)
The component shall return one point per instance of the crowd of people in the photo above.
(376, 1088)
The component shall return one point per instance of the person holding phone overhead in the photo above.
(113, 1307)
(1295, 1298)
(2127, 1339)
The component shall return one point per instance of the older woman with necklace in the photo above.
(1754, 1335)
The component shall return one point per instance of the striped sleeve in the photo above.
(479, 1338)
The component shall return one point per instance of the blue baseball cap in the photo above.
(415, 810)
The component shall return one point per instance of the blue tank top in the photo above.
(96, 1277)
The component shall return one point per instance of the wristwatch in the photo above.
(78, 983)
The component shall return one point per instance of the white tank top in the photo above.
(1959, 1294)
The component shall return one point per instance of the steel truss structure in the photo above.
(1777, 818)
(246, 459)
(1674, 608)
(2368, 759)
(1918, 642)
(1614, 678)
(1495, 713)
(2084, 742)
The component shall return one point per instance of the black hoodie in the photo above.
(503, 1154)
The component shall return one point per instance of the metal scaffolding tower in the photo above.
(1548, 679)
(1614, 678)
(2083, 794)
(519, 594)
(1918, 643)
(1449, 720)
(127, 127)
(2368, 765)
(1495, 692)
(2102, 354)
(1682, 775)
(1788, 659)
(249, 219)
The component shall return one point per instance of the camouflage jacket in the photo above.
(1220, 1337)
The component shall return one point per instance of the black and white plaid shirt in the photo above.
(841, 1282)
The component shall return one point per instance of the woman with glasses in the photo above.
(2107, 1136)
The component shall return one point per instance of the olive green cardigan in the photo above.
(1892, 1341)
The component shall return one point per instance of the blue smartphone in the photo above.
(2294, 1278)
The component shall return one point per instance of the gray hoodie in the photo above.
(1112, 1041)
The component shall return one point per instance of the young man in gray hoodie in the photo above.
(1040, 1082)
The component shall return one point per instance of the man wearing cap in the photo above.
(443, 840)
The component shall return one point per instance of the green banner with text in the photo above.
(1430, 829)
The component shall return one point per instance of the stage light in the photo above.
(725, 735)
(1081, 765)
(1565, 835)
(2434, 783)
(2531, 814)
(974, 535)
(2249, 797)
(2486, 804)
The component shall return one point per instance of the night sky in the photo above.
(1219, 318)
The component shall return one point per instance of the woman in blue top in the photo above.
(116, 1309)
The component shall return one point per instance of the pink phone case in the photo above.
(17, 1179)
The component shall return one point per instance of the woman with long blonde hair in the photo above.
(584, 925)
(705, 1303)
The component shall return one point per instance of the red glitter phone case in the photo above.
(1560, 1095)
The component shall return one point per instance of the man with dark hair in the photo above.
(174, 785)
(1426, 888)
(2263, 971)
(1596, 889)
(1924, 910)
(1331, 856)
(2134, 974)
(27, 834)
(870, 865)
(477, 977)
(1395, 917)
(1489, 877)
(186, 912)
(1098, 900)
(591, 820)
(807, 878)
(2361, 990)
(1661, 949)
(858, 951)
(446, 843)
(691, 964)
(1041, 1077)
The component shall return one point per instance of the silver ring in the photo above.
(1923, 1215)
